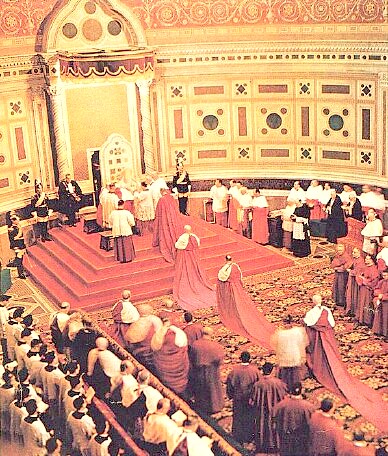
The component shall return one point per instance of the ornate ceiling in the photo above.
(21, 18)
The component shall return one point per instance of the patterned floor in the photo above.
(276, 293)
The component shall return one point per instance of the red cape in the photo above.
(325, 362)
(239, 313)
(168, 225)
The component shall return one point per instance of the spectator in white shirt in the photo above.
(297, 193)
(196, 445)
(371, 232)
(81, 425)
(109, 363)
(159, 429)
(219, 195)
(346, 193)
(326, 194)
(369, 199)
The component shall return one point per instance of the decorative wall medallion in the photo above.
(274, 120)
(69, 30)
(304, 88)
(305, 153)
(176, 91)
(365, 157)
(366, 90)
(210, 122)
(243, 152)
(15, 108)
(180, 155)
(24, 178)
(241, 89)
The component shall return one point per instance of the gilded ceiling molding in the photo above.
(24, 18)
(256, 47)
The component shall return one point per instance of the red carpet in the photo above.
(73, 268)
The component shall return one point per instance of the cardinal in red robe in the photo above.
(367, 281)
(206, 356)
(238, 388)
(171, 360)
(325, 432)
(237, 311)
(340, 263)
(325, 362)
(266, 393)
(292, 417)
(380, 322)
(168, 225)
(191, 288)
(353, 288)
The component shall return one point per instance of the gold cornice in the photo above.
(284, 33)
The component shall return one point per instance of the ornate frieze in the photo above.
(23, 17)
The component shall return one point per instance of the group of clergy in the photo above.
(181, 353)
(360, 285)
(47, 402)
(43, 400)
(268, 406)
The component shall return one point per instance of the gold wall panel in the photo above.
(19, 163)
(94, 113)
(210, 123)
(304, 122)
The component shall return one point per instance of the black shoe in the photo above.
(22, 276)
(48, 239)
(11, 264)
(43, 240)
(186, 213)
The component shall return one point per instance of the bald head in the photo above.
(143, 377)
(340, 248)
(169, 303)
(187, 228)
(126, 294)
(317, 300)
(145, 310)
(102, 343)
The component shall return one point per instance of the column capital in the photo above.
(54, 90)
(144, 84)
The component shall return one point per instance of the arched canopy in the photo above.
(90, 25)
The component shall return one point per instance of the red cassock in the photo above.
(325, 434)
(325, 362)
(168, 225)
(238, 388)
(232, 214)
(172, 364)
(291, 416)
(266, 393)
(260, 225)
(340, 264)
(380, 321)
(206, 357)
(316, 209)
(191, 288)
(353, 288)
(239, 313)
(193, 331)
(368, 281)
